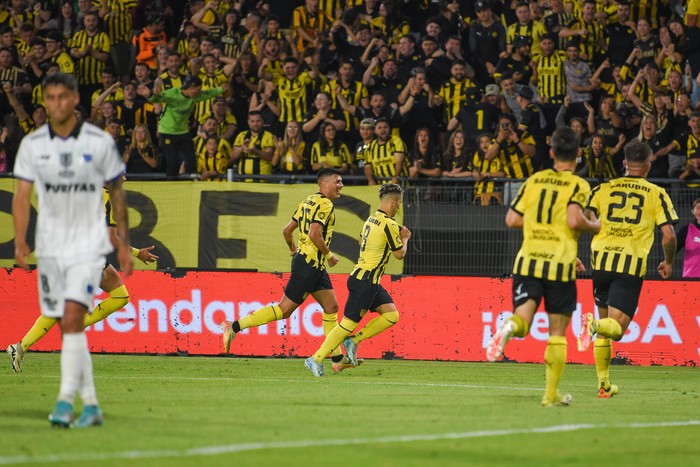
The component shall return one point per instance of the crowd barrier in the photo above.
(209, 226)
(442, 318)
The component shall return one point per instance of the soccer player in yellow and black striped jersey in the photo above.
(630, 208)
(381, 238)
(315, 219)
(111, 282)
(549, 209)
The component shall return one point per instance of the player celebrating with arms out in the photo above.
(315, 219)
(550, 210)
(68, 162)
(381, 237)
(630, 208)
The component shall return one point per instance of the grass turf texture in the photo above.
(237, 411)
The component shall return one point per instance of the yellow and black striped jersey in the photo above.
(383, 159)
(534, 30)
(169, 82)
(550, 246)
(602, 167)
(354, 94)
(118, 20)
(64, 61)
(687, 144)
(381, 235)
(274, 67)
(203, 108)
(648, 9)
(592, 42)
(90, 68)
(551, 81)
(312, 24)
(200, 143)
(335, 157)
(454, 95)
(287, 160)
(250, 164)
(13, 75)
(331, 7)
(482, 165)
(515, 163)
(629, 209)
(292, 97)
(319, 209)
(218, 163)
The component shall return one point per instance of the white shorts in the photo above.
(62, 280)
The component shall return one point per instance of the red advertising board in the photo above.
(442, 318)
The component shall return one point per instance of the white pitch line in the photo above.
(261, 446)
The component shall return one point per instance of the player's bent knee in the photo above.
(392, 317)
(331, 309)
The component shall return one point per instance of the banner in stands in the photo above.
(441, 318)
(221, 225)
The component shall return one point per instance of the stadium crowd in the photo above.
(385, 89)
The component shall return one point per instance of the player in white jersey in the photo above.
(68, 162)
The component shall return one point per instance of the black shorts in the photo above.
(364, 296)
(305, 279)
(615, 290)
(559, 297)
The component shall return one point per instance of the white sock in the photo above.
(72, 355)
(87, 388)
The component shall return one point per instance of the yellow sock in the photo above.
(118, 298)
(38, 330)
(555, 359)
(330, 321)
(264, 315)
(334, 338)
(521, 327)
(608, 327)
(602, 351)
(377, 325)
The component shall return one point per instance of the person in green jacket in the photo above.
(173, 127)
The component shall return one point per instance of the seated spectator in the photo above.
(456, 162)
(212, 163)
(486, 191)
(329, 152)
(289, 152)
(424, 159)
(141, 156)
(254, 148)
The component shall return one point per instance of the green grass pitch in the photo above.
(268, 412)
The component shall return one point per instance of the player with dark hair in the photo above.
(550, 209)
(315, 219)
(381, 238)
(111, 283)
(67, 162)
(630, 208)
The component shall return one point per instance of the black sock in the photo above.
(236, 327)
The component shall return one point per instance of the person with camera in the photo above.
(514, 148)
